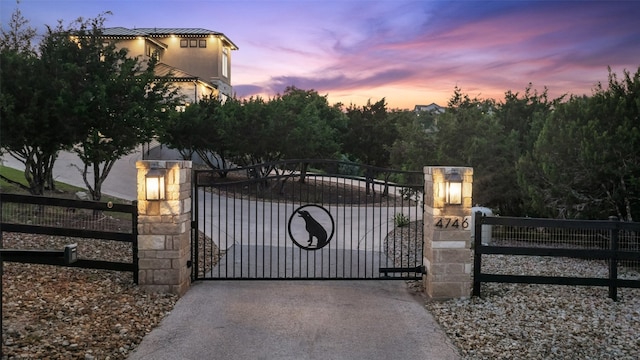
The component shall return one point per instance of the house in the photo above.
(430, 121)
(197, 60)
(433, 107)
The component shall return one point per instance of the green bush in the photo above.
(400, 220)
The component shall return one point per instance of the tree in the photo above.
(522, 118)
(311, 128)
(370, 133)
(34, 127)
(487, 135)
(182, 130)
(116, 102)
(525, 115)
(203, 129)
(415, 146)
(19, 36)
(617, 136)
(255, 130)
(553, 173)
(312, 125)
(369, 137)
(585, 162)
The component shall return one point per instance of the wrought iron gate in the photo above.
(307, 219)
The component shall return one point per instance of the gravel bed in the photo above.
(402, 243)
(52, 312)
(519, 321)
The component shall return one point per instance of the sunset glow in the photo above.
(409, 52)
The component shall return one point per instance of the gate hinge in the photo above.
(189, 263)
(193, 224)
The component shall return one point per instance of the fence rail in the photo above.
(618, 243)
(69, 218)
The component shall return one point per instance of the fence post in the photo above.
(164, 225)
(613, 260)
(477, 255)
(134, 221)
(447, 232)
(1, 288)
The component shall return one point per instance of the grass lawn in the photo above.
(63, 190)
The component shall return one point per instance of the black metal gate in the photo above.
(307, 219)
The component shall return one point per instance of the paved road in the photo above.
(120, 183)
(372, 320)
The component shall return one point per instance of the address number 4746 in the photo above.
(454, 222)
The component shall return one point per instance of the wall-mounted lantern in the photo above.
(453, 188)
(154, 184)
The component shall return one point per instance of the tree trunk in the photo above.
(627, 202)
(369, 183)
(385, 192)
(303, 173)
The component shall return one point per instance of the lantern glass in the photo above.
(453, 188)
(154, 181)
(454, 192)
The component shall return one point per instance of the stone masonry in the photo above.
(164, 229)
(447, 236)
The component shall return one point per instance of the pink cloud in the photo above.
(407, 52)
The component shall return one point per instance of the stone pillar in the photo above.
(164, 229)
(447, 234)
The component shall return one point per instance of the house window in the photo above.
(193, 43)
(183, 43)
(152, 51)
(225, 62)
(202, 43)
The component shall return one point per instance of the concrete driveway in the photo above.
(281, 319)
(297, 320)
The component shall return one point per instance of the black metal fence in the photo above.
(307, 219)
(593, 253)
(69, 218)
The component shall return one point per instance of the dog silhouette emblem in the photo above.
(314, 228)
(311, 227)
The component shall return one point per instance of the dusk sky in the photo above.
(409, 52)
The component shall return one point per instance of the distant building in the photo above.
(433, 107)
(197, 60)
(430, 120)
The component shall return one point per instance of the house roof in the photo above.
(431, 107)
(120, 31)
(167, 71)
(171, 73)
(164, 32)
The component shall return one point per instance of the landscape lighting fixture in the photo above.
(453, 188)
(154, 181)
